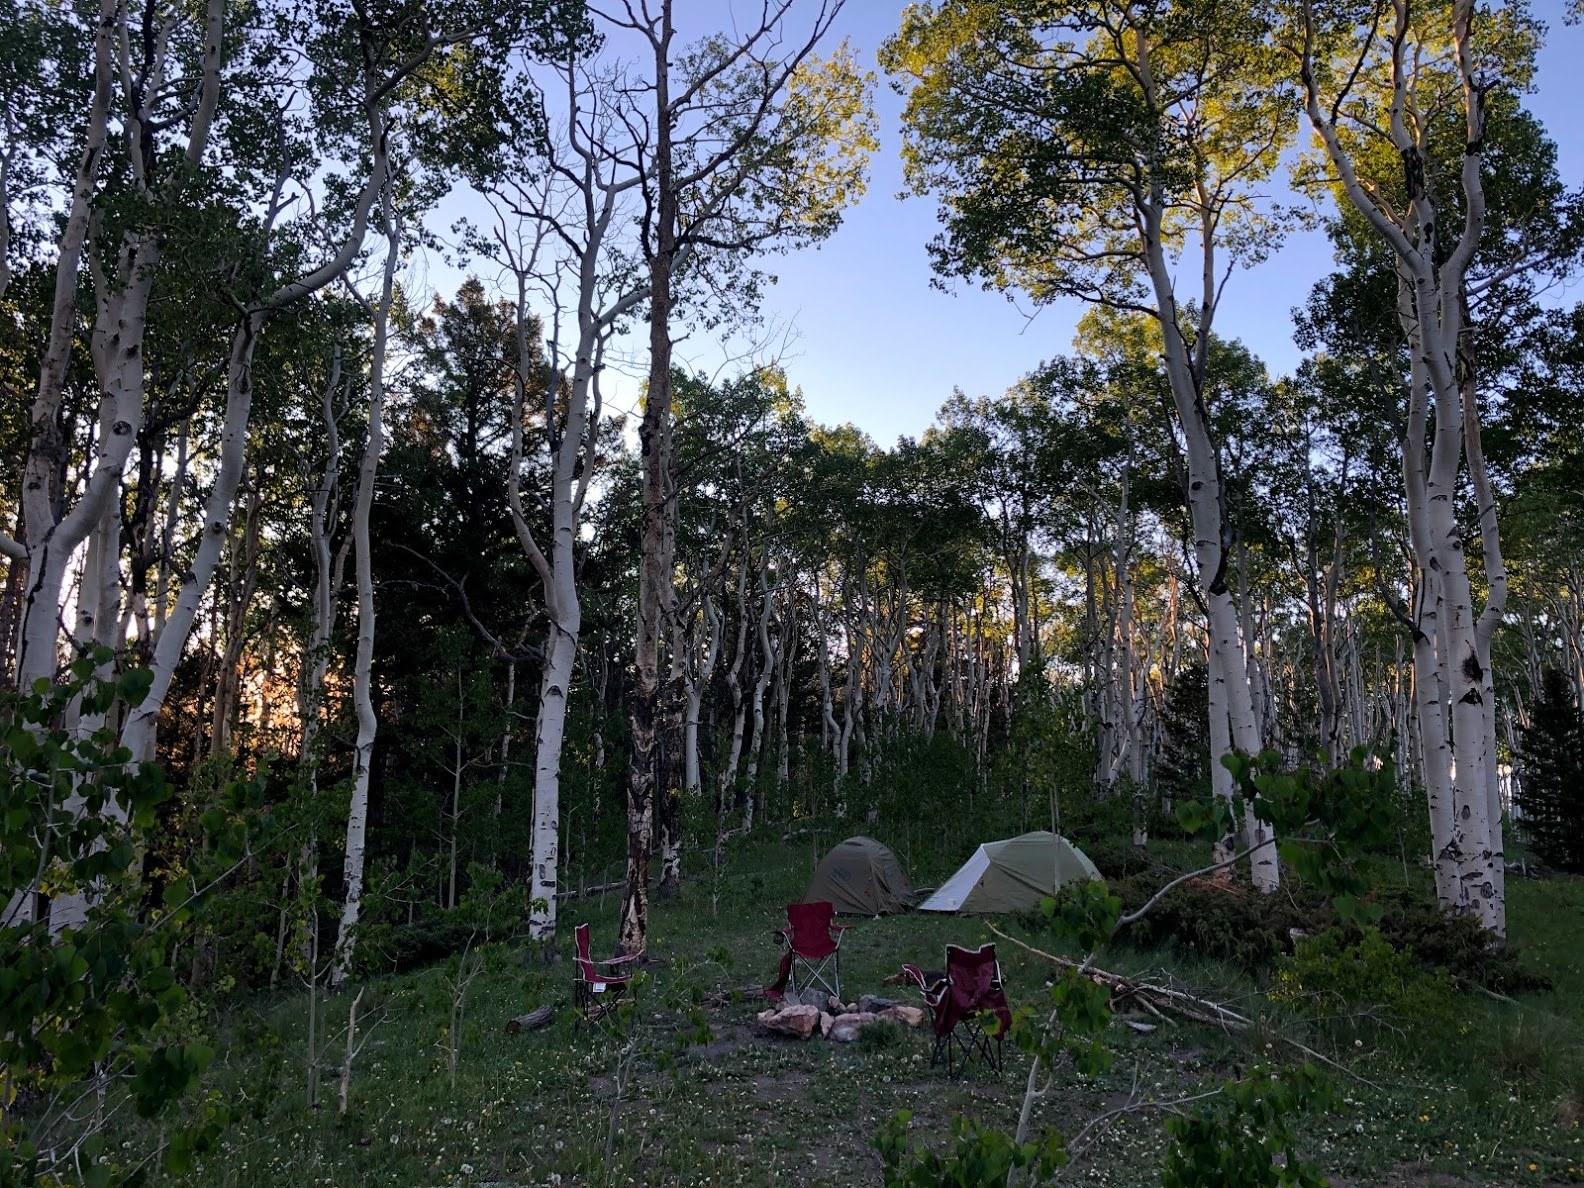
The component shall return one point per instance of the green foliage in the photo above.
(1233, 923)
(1239, 1137)
(490, 910)
(1438, 939)
(1046, 767)
(980, 1157)
(1116, 857)
(1219, 921)
(1083, 914)
(1325, 818)
(1360, 982)
(1041, 147)
(98, 999)
(1551, 784)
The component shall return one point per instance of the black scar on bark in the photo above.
(1472, 668)
(1472, 697)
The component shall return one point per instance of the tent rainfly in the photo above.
(861, 877)
(1018, 872)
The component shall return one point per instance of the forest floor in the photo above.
(706, 1098)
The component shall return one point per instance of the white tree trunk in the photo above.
(362, 689)
(761, 684)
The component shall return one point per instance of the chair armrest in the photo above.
(843, 927)
(618, 960)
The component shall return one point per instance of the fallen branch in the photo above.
(1178, 1002)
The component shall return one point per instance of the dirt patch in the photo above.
(791, 1085)
(728, 1038)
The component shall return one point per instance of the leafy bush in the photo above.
(491, 909)
(1218, 920)
(1231, 922)
(980, 1157)
(1236, 1138)
(1457, 944)
(1116, 857)
(1362, 984)
(92, 1008)
(428, 939)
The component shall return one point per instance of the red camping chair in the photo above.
(959, 1000)
(596, 992)
(813, 948)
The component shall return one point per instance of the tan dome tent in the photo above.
(861, 878)
(1003, 876)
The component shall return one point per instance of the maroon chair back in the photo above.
(810, 928)
(974, 979)
(584, 959)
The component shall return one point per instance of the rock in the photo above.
(825, 1023)
(874, 1003)
(834, 1005)
(796, 1021)
(792, 998)
(912, 1016)
(845, 1028)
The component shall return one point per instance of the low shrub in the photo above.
(1116, 857)
(1457, 944)
(1217, 920)
(402, 947)
(1358, 983)
(1225, 921)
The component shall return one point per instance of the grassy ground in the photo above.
(1496, 1102)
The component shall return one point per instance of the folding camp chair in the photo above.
(596, 992)
(813, 948)
(961, 1000)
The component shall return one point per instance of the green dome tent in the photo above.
(1003, 876)
(861, 877)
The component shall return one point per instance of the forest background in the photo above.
(384, 530)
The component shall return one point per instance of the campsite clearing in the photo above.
(710, 1100)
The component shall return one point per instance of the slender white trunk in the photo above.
(1185, 374)
(697, 683)
(761, 684)
(362, 687)
(549, 736)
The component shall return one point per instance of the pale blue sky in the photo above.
(877, 346)
(872, 343)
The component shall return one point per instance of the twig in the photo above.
(1076, 1147)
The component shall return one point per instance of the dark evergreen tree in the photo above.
(1551, 764)
(1182, 770)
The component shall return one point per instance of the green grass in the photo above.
(1484, 1105)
